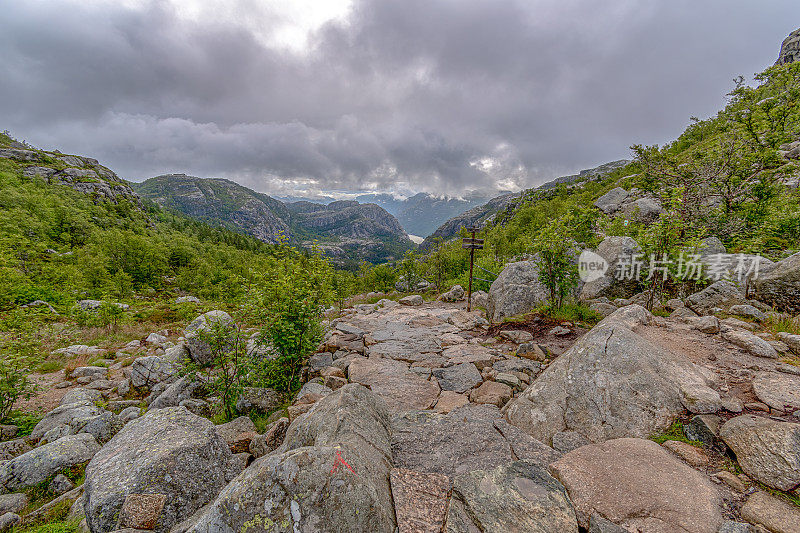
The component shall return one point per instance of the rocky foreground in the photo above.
(422, 419)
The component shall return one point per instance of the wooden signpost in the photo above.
(471, 244)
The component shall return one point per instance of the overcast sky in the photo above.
(443, 96)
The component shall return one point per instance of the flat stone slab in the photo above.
(519, 496)
(469, 353)
(458, 378)
(420, 500)
(778, 390)
(461, 441)
(639, 485)
(391, 380)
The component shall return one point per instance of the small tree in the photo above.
(409, 270)
(555, 257)
(661, 242)
(20, 353)
(290, 303)
(438, 263)
(224, 376)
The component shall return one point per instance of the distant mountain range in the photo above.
(419, 214)
(422, 213)
(347, 231)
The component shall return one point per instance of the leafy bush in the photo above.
(289, 303)
(20, 354)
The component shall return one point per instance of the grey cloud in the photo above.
(410, 93)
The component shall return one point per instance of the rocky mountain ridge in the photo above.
(342, 229)
(83, 174)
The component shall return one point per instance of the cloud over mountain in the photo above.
(420, 95)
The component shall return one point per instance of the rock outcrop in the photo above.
(330, 474)
(168, 451)
(790, 49)
(779, 285)
(612, 383)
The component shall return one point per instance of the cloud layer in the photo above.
(420, 95)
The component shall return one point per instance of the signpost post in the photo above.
(471, 244)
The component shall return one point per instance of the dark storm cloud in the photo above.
(433, 95)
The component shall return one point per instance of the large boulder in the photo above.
(37, 465)
(767, 450)
(330, 474)
(637, 484)
(182, 389)
(614, 250)
(78, 404)
(516, 290)
(167, 451)
(720, 294)
(147, 371)
(779, 285)
(519, 496)
(612, 383)
(644, 210)
(200, 328)
(612, 201)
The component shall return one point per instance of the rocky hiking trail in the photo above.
(421, 417)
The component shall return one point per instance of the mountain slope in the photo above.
(504, 205)
(70, 229)
(219, 201)
(344, 230)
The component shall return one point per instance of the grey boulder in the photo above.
(167, 451)
(37, 465)
(150, 370)
(614, 250)
(611, 202)
(767, 450)
(720, 294)
(612, 383)
(516, 290)
(779, 286)
(200, 328)
(330, 474)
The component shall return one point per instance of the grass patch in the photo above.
(24, 421)
(58, 526)
(786, 324)
(572, 312)
(50, 365)
(674, 432)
